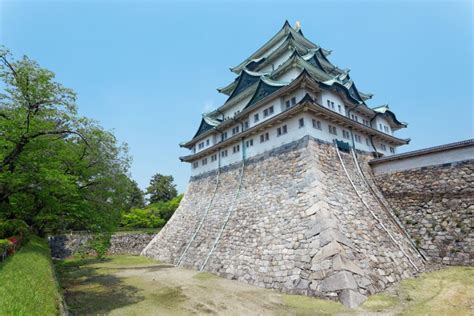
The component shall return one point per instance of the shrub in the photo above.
(142, 218)
(100, 243)
(5, 244)
(14, 227)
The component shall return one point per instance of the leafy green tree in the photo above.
(58, 171)
(166, 209)
(135, 196)
(142, 218)
(161, 188)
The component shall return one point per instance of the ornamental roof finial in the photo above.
(297, 25)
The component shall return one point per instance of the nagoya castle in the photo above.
(281, 194)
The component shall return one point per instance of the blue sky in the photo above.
(148, 69)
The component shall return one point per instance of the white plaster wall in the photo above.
(294, 132)
(424, 160)
(380, 120)
(211, 142)
(327, 95)
(230, 112)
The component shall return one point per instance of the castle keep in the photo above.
(282, 195)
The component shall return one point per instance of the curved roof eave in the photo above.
(207, 123)
(384, 109)
(265, 88)
(245, 80)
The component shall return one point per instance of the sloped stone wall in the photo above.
(297, 226)
(63, 246)
(436, 205)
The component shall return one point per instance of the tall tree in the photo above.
(57, 170)
(161, 188)
(135, 196)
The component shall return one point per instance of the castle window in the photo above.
(236, 148)
(204, 161)
(287, 104)
(354, 118)
(268, 111)
(380, 127)
(345, 134)
(385, 128)
(235, 130)
(357, 138)
(195, 164)
(207, 142)
(301, 122)
(367, 141)
(281, 130)
(224, 153)
(214, 157)
(256, 118)
(293, 101)
(249, 143)
(339, 108)
(316, 124)
(224, 136)
(264, 137)
(330, 104)
(384, 148)
(332, 130)
(246, 125)
(392, 150)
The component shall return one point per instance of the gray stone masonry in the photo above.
(436, 206)
(63, 246)
(298, 226)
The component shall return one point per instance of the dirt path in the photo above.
(124, 285)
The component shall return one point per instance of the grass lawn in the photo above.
(27, 284)
(449, 291)
(128, 285)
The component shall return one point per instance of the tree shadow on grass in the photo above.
(92, 291)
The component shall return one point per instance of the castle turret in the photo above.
(273, 80)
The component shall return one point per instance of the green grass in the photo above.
(205, 276)
(444, 292)
(27, 283)
(303, 305)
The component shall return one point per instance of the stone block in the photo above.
(342, 280)
(327, 251)
(342, 263)
(351, 298)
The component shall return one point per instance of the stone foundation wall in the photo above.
(436, 205)
(297, 225)
(63, 246)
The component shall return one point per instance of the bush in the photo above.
(100, 243)
(142, 218)
(14, 227)
(153, 216)
(5, 244)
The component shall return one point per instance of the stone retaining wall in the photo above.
(436, 205)
(297, 226)
(63, 246)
